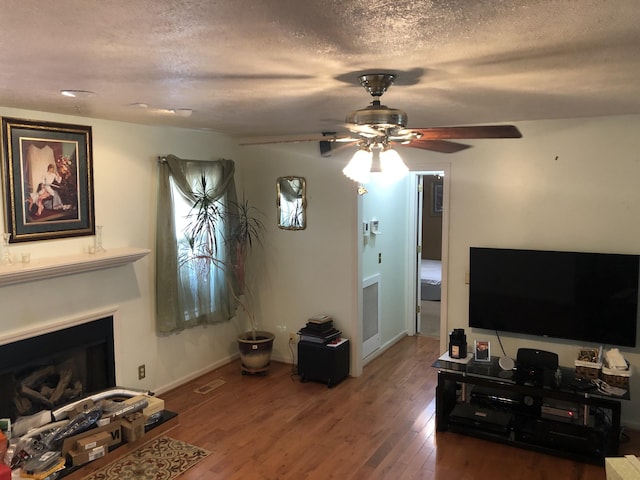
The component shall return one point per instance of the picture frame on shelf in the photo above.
(482, 351)
(47, 180)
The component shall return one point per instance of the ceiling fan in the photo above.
(379, 126)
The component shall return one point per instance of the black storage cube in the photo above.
(321, 363)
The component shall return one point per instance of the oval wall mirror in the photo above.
(291, 203)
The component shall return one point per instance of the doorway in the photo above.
(430, 209)
(430, 253)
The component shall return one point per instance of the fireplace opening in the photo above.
(50, 370)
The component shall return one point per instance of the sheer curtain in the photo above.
(186, 295)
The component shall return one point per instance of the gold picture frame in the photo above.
(47, 177)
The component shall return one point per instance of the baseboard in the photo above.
(198, 373)
(383, 348)
(209, 368)
(282, 359)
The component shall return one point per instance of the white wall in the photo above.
(566, 185)
(388, 204)
(309, 271)
(511, 193)
(124, 161)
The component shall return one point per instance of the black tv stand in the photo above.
(480, 399)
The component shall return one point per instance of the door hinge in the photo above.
(420, 188)
(419, 248)
(418, 309)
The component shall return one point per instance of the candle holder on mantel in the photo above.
(6, 256)
(97, 240)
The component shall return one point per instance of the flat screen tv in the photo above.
(588, 297)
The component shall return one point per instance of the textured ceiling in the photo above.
(277, 67)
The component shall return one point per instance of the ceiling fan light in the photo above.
(183, 112)
(77, 93)
(359, 167)
(392, 166)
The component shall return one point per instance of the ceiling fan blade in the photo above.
(339, 148)
(327, 147)
(296, 138)
(480, 131)
(441, 146)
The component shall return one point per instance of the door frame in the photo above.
(413, 278)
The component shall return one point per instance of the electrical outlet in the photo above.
(293, 338)
(142, 372)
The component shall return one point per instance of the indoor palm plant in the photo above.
(229, 249)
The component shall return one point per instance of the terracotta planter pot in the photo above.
(255, 354)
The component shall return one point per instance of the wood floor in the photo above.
(380, 425)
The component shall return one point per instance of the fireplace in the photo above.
(46, 371)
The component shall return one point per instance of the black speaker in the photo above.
(536, 367)
(325, 146)
(530, 358)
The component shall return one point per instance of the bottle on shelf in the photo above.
(457, 343)
(97, 241)
(6, 255)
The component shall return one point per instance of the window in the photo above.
(190, 288)
(198, 278)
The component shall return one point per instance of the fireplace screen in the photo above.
(50, 370)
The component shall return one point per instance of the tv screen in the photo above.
(588, 297)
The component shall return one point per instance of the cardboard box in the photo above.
(133, 427)
(114, 429)
(92, 441)
(154, 404)
(85, 456)
(622, 468)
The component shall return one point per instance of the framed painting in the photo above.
(47, 177)
(436, 199)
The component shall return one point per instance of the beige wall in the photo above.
(311, 271)
(124, 162)
(567, 185)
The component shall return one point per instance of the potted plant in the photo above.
(244, 230)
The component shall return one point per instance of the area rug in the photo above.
(162, 459)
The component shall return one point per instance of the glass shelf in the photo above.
(44, 268)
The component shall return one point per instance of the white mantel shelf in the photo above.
(43, 268)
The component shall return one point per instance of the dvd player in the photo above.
(494, 398)
(485, 419)
(560, 411)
